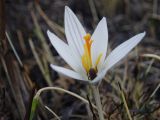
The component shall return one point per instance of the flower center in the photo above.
(87, 58)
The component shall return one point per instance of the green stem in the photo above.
(98, 101)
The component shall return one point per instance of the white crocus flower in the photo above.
(86, 54)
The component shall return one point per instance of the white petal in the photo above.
(117, 54)
(74, 31)
(100, 42)
(122, 50)
(64, 51)
(68, 73)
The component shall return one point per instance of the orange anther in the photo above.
(87, 37)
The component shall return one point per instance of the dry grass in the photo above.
(25, 60)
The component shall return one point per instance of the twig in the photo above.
(14, 50)
(47, 78)
(151, 56)
(41, 37)
(52, 113)
(93, 10)
(124, 101)
(50, 23)
(62, 90)
(149, 67)
(21, 42)
(19, 103)
(36, 98)
(153, 93)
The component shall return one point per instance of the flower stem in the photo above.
(98, 101)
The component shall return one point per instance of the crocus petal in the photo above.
(64, 51)
(122, 50)
(74, 32)
(100, 42)
(68, 72)
(117, 54)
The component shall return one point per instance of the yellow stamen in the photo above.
(98, 60)
(85, 63)
(86, 57)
